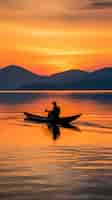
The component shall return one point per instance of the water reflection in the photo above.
(98, 97)
(54, 129)
(70, 102)
(20, 98)
(75, 166)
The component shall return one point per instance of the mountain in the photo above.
(76, 79)
(68, 78)
(62, 80)
(99, 79)
(70, 75)
(12, 77)
(102, 74)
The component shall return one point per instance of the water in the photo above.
(76, 163)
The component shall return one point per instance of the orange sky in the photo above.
(51, 36)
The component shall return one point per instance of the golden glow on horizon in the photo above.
(46, 46)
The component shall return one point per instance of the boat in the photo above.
(42, 119)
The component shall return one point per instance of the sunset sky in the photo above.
(48, 36)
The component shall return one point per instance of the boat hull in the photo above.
(41, 119)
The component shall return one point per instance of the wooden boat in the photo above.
(42, 119)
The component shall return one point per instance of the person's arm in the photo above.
(47, 110)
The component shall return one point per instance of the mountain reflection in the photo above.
(8, 98)
(20, 98)
(98, 97)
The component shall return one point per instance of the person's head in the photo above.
(54, 103)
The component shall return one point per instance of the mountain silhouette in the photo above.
(69, 75)
(14, 77)
(76, 79)
(99, 79)
(62, 80)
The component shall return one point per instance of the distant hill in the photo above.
(99, 79)
(76, 79)
(14, 77)
(62, 80)
(69, 75)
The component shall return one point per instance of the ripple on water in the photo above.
(56, 172)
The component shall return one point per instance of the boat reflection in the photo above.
(55, 129)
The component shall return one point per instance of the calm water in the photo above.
(73, 163)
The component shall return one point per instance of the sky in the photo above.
(49, 36)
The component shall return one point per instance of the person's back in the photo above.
(56, 110)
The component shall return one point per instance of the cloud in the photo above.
(56, 5)
(99, 4)
(6, 3)
(51, 10)
(43, 5)
(41, 9)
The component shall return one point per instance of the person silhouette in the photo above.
(55, 112)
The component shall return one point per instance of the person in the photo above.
(55, 112)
